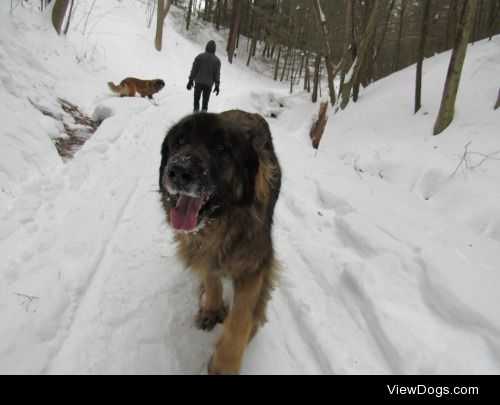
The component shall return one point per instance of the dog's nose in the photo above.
(182, 174)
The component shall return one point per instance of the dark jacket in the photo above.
(206, 67)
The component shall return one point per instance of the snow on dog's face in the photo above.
(208, 167)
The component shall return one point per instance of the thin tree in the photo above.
(188, 18)
(317, 67)
(495, 11)
(71, 9)
(447, 107)
(362, 58)
(277, 65)
(58, 13)
(421, 50)
(218, 13)
(162, 11)
(349, 50)
(382, 40)
(234, 30)
(321, 21)
(398, 44)
(307, 74)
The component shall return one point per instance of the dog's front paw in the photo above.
(218, 366)
(206, 320)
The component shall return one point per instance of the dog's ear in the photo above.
(257, 164)
(249, 169)
(260, 138)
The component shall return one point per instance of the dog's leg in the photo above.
(213, 311)
(237, 327)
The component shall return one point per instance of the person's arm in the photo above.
(217, 73)
(195, 68)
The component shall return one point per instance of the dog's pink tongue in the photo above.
(184, 217)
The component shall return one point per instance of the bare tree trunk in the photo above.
(451, 23)
(307, 74)
(188, 18)
(224, 11)
(381, 40)
(317, 65)
(69, 17)
(477, 22)
(494, 18)
(277, 66)
(254, 27)
(208, 10)
(163, 9)
(364, 49)
(347, 61)
(234, 30)
(446, 110)
(421, 51)
(291, 66)
(58, 13)
(217, 14)
(398, 48)
(253, 46)
(301, 66)
(321, 21)
(287, 56)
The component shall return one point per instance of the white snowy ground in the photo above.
(389, 263)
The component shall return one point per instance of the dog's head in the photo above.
(158, 84)
(208, 167)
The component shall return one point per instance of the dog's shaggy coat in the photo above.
(130, 86)
(220, 180)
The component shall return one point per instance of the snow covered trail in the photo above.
(361, 290)
(136, 313)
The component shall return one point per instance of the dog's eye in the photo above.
(179, 142)
(222, 148)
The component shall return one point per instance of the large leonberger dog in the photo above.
(219, 180)
(130, 86)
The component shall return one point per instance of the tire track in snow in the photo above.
(294, 305)
(443, 304)
(340, 219)
(80, 301)
(365, 305)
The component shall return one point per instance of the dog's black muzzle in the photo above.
(187, 175)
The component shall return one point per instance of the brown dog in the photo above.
(130, 86)
(220, 179)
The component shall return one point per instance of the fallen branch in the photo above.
(468, 164)
(485, 158)
(464, 156)
(27, 300)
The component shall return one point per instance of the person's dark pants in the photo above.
(200, 89)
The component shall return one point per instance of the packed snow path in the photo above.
(361, 288)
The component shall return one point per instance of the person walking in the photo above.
(204, 73)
